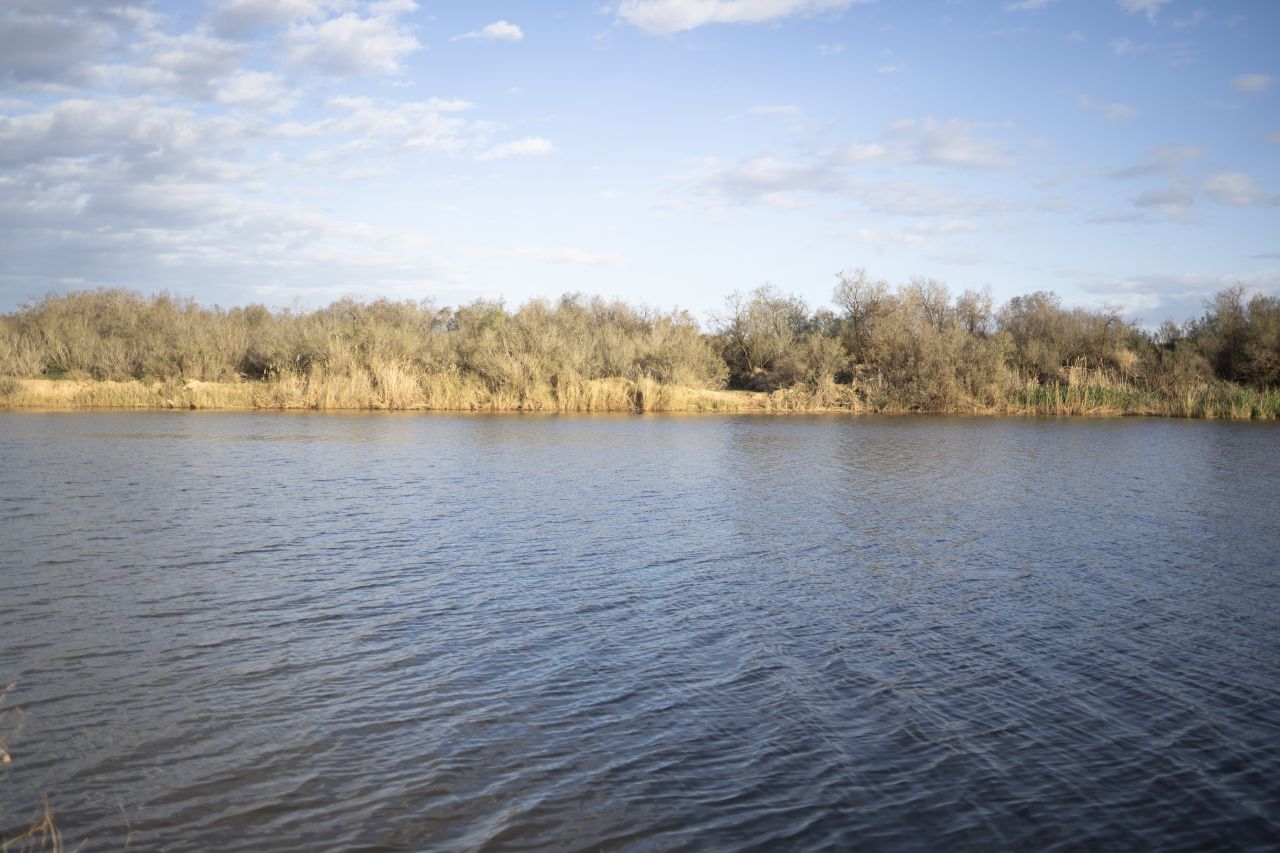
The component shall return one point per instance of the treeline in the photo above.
(917, 346)
(914, 347)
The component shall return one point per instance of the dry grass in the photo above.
(42, 835)
(7, 714)
(399, 387)
(390, 387)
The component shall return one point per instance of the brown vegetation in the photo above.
(913, 348)
(42, 835)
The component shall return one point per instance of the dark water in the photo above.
(250, 631)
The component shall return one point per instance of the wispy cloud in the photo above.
(1174, 202)
(497, 31)
(1164, 160)
(774, 110)
(1126, 47)
(1027, 5)
(530, 146)
(578, 257)
(1238, 190)
(838, 173)
(1253, 83)
(1150, 8)
(951, 143)
(666, 17)
(917, 234)
(1114, 112)
(1191, 20)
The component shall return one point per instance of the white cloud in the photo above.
(775, 110)
(1237, 190)
(890, 69)
(113, 191)
(1252, 82)
(665, 17)
(259, 90)
(530, 146)
(831, 49)
(240, 18)
(351, 44)
(124, 131)
(192, 65)
(1176, 200)
(497, 31)
(1114, 112)
(47, 48)
(1150, 8)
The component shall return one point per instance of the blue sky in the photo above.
(668, 152)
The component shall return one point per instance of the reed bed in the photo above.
(451, 393)
(355, 392)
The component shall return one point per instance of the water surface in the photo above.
(261, 631)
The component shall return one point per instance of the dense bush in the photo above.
(114, 334)
(914, 346)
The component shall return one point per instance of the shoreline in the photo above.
(603, 396)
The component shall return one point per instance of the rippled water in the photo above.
(254, 631)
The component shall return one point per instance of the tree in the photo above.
(863, 300)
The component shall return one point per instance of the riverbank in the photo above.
(404, 392)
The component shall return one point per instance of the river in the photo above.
(257, 631)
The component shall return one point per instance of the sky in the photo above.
(1121, 153)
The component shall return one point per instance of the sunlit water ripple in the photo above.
(252, 631)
